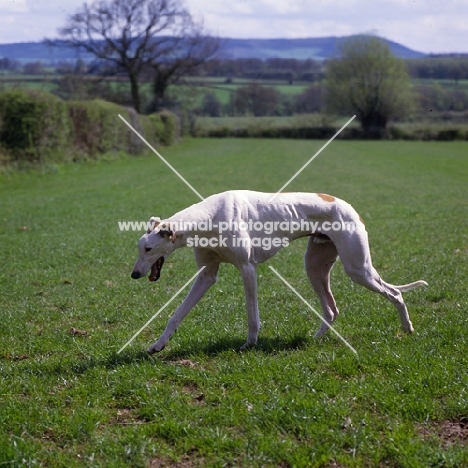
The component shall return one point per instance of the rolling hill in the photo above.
(314, 48)
(320, 48)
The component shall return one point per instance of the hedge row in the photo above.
(258, 127)
(325, 133)
(38, 127)
(428, 131)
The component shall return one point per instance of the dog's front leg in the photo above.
(249, 278)
(204, 281)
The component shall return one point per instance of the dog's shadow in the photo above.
(228, 344)
(194, 350)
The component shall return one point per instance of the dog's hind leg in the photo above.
(356, 259)
(319, 260)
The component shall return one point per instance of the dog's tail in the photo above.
(408, 287)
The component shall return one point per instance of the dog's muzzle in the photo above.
(155, 270)
(136, 274)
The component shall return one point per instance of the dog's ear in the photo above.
(153, 223)
(167, 232)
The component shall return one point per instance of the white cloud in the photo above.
(13, 6)
(428, 26)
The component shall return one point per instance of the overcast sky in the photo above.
(423, 25)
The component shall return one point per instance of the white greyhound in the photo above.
(246, 228)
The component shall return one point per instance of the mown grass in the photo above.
(68, 305)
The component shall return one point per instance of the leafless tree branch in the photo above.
(139, 35)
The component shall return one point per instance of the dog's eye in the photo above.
(148, 249)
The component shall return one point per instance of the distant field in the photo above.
(28, 81)
(218, 86)
(452, 84)
(67, 305)
(201, 85)
(223, 90)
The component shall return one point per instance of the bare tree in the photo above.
(137, 35)
(186, 53)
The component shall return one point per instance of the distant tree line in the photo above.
(431, 67)
(9, 64)
(439, 67)
(259, 100)
(288, 70)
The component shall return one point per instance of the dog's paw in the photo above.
(408, 328)
(322, 330)
(155, 348)
(247, 345)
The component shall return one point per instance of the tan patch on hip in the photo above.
(325, 197)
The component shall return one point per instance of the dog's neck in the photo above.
(186, 225)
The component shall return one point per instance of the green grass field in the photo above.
(217, 86)
(223, 91)
(68, 305)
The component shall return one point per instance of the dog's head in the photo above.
(153, 248)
